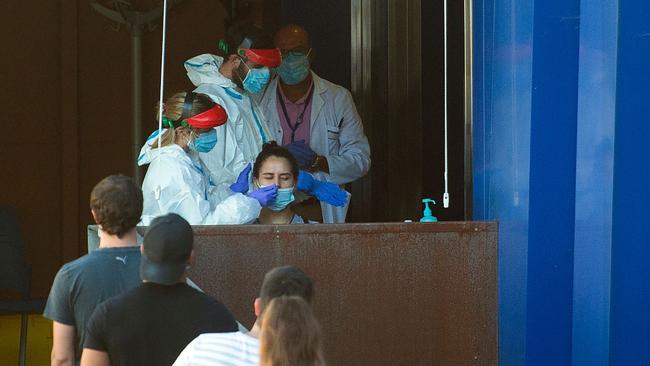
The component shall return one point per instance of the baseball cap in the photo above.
(167, 246)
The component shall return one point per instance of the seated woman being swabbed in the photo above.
(276, 166)
(178, 182)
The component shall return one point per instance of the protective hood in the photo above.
(204, 69)
(147, 154)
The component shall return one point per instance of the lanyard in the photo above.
(294, 127)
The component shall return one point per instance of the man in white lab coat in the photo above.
(314, 118)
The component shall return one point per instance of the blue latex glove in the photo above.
(241, 185)
(324, 191)
(302, 152)
(264, 195)
(305, 182)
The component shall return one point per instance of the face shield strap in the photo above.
(246, 43)
(167, 122)
(223, 46)
(187, 109)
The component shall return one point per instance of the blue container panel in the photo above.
(503, 76)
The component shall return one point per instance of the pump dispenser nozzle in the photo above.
(426, 214)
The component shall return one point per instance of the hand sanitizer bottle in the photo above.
(427, 216)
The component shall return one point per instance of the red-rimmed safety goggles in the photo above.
(213, 117)
(270, 57)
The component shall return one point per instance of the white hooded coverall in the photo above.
(178, 182)
(241, 139)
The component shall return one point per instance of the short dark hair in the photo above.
(273, 149)
(256, 36)
(286, 281)
(117, 203)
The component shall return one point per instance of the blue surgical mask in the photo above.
(284, 198)
(205, 142)
(294, 68)
(256, 79)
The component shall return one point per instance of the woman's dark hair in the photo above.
(272, 149)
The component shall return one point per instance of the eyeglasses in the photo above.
(299, 51)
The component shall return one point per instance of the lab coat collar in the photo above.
(318, 101)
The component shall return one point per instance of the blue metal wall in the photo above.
(561, 136)
(630, 291)
(552, 182)
(503, 78)
(594, 181)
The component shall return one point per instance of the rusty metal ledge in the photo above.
(390, 227)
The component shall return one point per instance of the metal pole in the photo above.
(445, 196)
(136, 69)
(162, 70)
(469, 114)
(136, 21)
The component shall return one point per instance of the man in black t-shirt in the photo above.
(152, 323)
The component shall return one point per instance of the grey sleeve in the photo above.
(353, 159)
(59, 302)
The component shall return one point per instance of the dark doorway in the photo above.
(433, 106)
(402, 106)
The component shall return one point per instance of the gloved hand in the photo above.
(302, 152)
(241, 185)
(329, 193)
(324, 191)
(305, 182)
(264, 195)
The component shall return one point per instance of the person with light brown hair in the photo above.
(243, 348)
(290, 335)
(178, 182)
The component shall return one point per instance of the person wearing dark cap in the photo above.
(242, 349)
(152, 323)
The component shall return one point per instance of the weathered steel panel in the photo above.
(386, 294)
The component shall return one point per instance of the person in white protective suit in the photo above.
(230, 81)
(178, 182)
